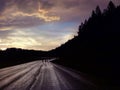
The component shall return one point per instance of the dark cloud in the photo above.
(79, 10)
(2, 5)
(5, 34)
(27, 6)
(68, 10)
(47, 4)
(30, 14)
(22, 20)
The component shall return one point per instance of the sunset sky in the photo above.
(43, 24)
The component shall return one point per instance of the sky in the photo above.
(43, 24)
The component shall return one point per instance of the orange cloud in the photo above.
(41, 14)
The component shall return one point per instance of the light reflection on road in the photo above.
(42, 75)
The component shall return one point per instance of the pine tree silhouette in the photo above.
(98, 11)
(111, 6)
(96, 49)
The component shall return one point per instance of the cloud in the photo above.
(5, 34)
(19, 39)
(41, 14)
(78, 10)
(27, 13)
(2, 5)
(39, 40)
(30, 13)
(43, 24)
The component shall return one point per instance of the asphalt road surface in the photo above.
(42, 75)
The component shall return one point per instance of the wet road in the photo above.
(42, 75)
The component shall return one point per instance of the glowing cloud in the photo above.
(41, 14)
(43, 24)
(18, 42)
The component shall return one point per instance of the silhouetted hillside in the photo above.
(96, 49)
(13, 56)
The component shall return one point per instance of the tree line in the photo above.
(96, 49)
